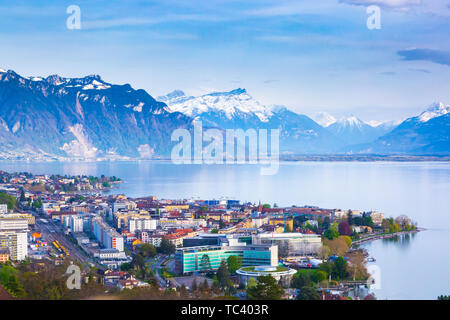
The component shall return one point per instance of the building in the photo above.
(13, 237)
(135, 224)
(3, 208)
(4, 255)
(288, 222)
(107, 235)
(16, 242)
(377, 218)
(204, 258)
(290, 244)
(29, 217)
(13, 224)
(282, 274)
(76, 223)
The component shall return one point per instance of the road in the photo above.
(155, 268)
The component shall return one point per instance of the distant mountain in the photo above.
(81, 118)
(233, 109)
(351, 130)
(323, 118)
(237, 109)
(427, 133)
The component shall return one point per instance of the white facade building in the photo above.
(142, 224)
(3, 208)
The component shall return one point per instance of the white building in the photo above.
(13, 224)
(291, 244)
(16, 242)
(3, 208)
(141, 224)
(76, 223)
(107, 235)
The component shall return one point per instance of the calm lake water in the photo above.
(416, 267)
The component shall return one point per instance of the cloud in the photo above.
(436, 56)
(434, 7)
(388, 73)
(420, 70)
(395, 4)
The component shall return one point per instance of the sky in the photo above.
(308, 55)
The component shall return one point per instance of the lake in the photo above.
(415, 267)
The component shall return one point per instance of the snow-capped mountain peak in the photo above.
(351, 121)
(231, 103)
(323, 118)
(437, 109)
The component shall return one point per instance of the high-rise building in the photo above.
(13, 237)
(107, 235)
(76, 223)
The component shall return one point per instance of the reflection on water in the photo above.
(420, 190)
(401, 240)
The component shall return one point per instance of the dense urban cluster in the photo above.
(150, 248)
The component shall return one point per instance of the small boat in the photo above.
(371, 259)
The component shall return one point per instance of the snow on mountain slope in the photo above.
(352, 130)
(323, 118)
(435, 110)
(232, 104)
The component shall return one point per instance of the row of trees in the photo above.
(401, 223)
(44, 281)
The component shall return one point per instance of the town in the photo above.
(150, 248)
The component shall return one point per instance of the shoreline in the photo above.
(386, 236)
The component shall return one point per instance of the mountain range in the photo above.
(89, 118)
(81, 118)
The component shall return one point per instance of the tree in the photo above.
(339, 270)
(234, 263)
(332, 232)
(266, 206)
(22, 196)
(324, 252)
(10, 201)
(138, 261)
(403, 221)
(223, 275)
(10, 281)
(344, 228)
(300, 280)
(147, 250)
(308, 293)
(194, 286)
(338, 246)
(183, 291)
(251, 282)
(205, 264)
(166, 247)
(357, 266)
(267, 288)
(347, 239)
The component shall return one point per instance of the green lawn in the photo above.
(252, 269)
